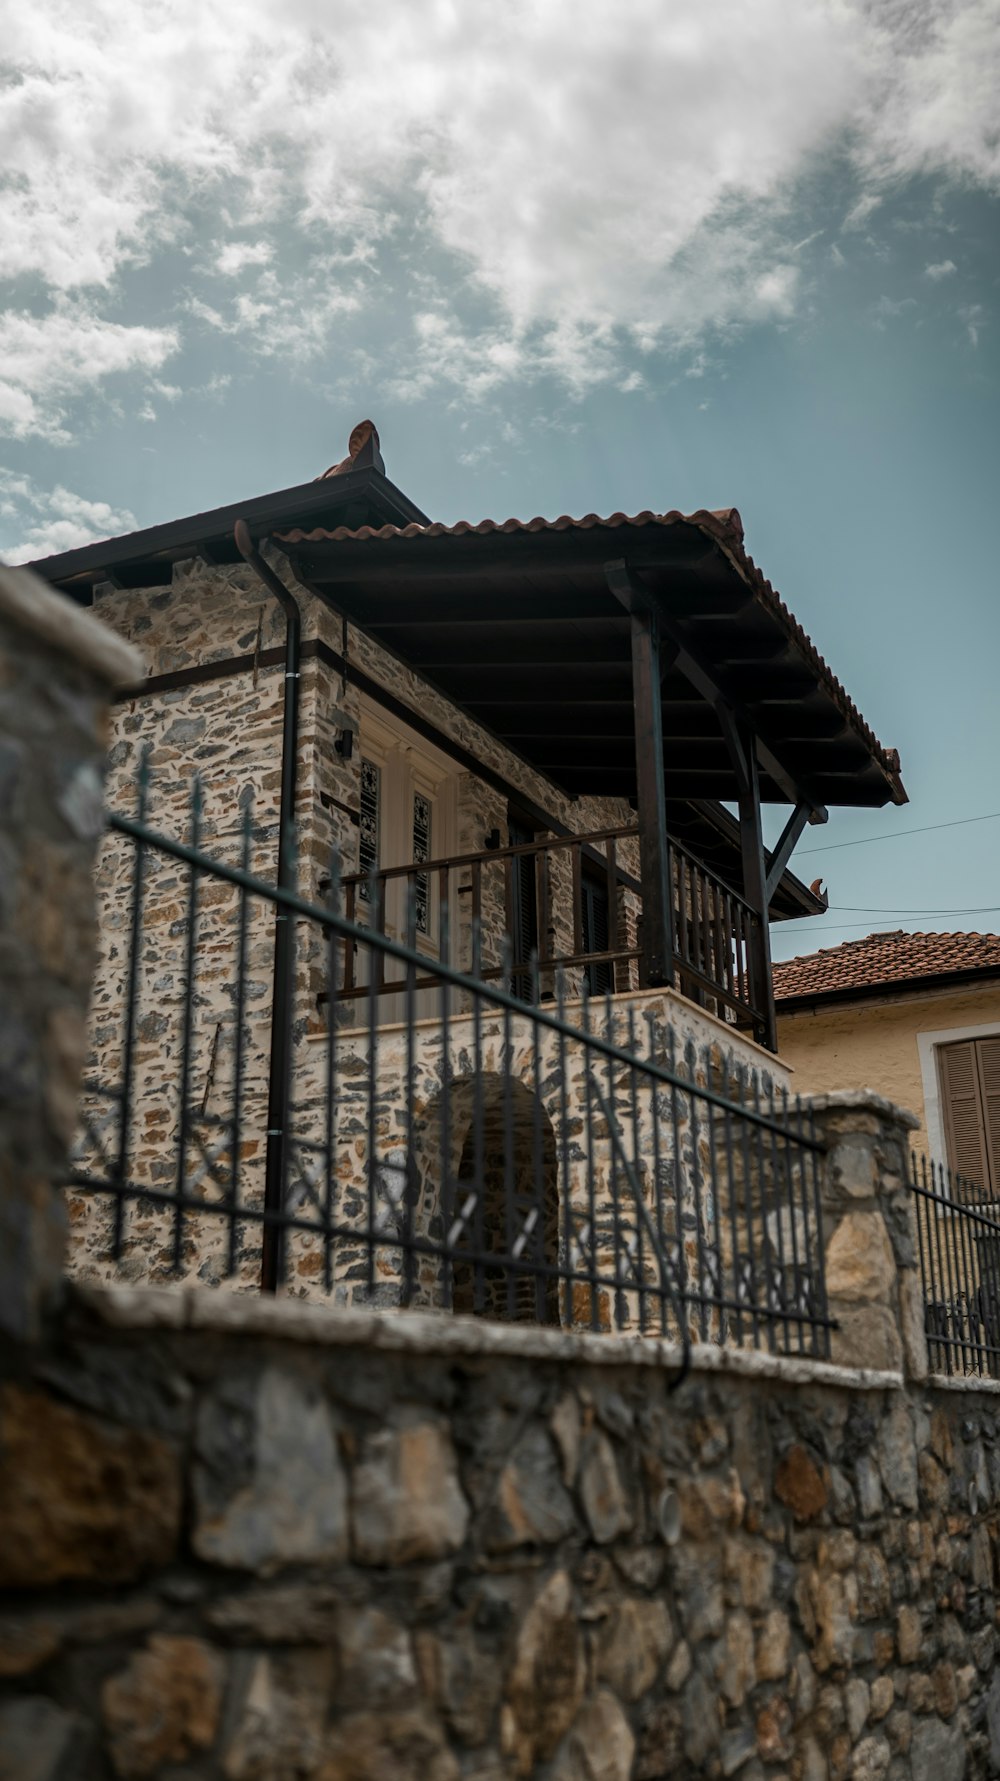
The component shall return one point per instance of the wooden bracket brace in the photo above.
(801, 816)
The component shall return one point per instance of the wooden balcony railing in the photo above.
(571, 902)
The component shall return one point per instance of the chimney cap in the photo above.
(362, 452)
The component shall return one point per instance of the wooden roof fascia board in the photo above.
(176, 537)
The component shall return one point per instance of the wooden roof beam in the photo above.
(630, 591)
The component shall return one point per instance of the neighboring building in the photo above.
(915, 1016)
(534, 726)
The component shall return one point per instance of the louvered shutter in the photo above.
(988, 1058)
(964, 1123)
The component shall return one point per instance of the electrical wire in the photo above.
(922, 913)
(897, 834)
(841, 927)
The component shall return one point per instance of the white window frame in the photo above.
(928, 1045)
(408, 765)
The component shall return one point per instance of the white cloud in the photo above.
(941, 269)
(236, 256)
(973, 315)
(889, 309)
(609, 178)
(859, 212)
(40, 522)
(46, 361)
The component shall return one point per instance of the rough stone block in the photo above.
(79, 1498)
(269, 1485)
(868, 1336)
(163, 1707)
(404, 1746)
(463, 1682)
(531, 1506)
(600, 1744)
(407, 1502)
(604, 1500)
(37, 1738)
(897, 1455)
(799, 1485)
(632, 1644)
(772, 1647)
(859, 1260)
(277, 1715)
(937, 1751)
(545, 1686)
(852, 1166)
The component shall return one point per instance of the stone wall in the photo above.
(254, 1540)
(57, 671)
(264, 1542)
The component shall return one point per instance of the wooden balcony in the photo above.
(519, 915)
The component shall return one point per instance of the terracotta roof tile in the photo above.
(724, 525)
(884, 958)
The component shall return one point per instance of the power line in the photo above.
(841, 927)
(892, 909)
(897, 834)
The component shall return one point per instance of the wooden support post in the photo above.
(654, 846)
(755, 893)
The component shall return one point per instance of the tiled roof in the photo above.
(884, 959)
(724, 525)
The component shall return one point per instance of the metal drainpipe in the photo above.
(279, 1085)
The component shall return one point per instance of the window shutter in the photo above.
(989, 1083)
(963, 1112)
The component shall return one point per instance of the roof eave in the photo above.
(178, 538)
(802, 1001)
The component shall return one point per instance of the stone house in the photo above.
(511, 745)
(914, 1016)
(246, 1538)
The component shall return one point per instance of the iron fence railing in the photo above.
(570, 1163)
(958, 1242)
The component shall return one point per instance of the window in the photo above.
(969, 1074)
(596, 926)
(370, 824)
(421, 851)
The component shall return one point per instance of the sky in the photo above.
(570, 258)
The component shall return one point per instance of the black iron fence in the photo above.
(575, 1163)
(958, 1241)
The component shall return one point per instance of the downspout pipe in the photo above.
(279, 1074)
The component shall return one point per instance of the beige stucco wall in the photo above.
(874, 1044)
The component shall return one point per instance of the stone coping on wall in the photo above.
(963, 1382)
(418, 1332)
(862, 1100)
(731, 1035)
(29, 603)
